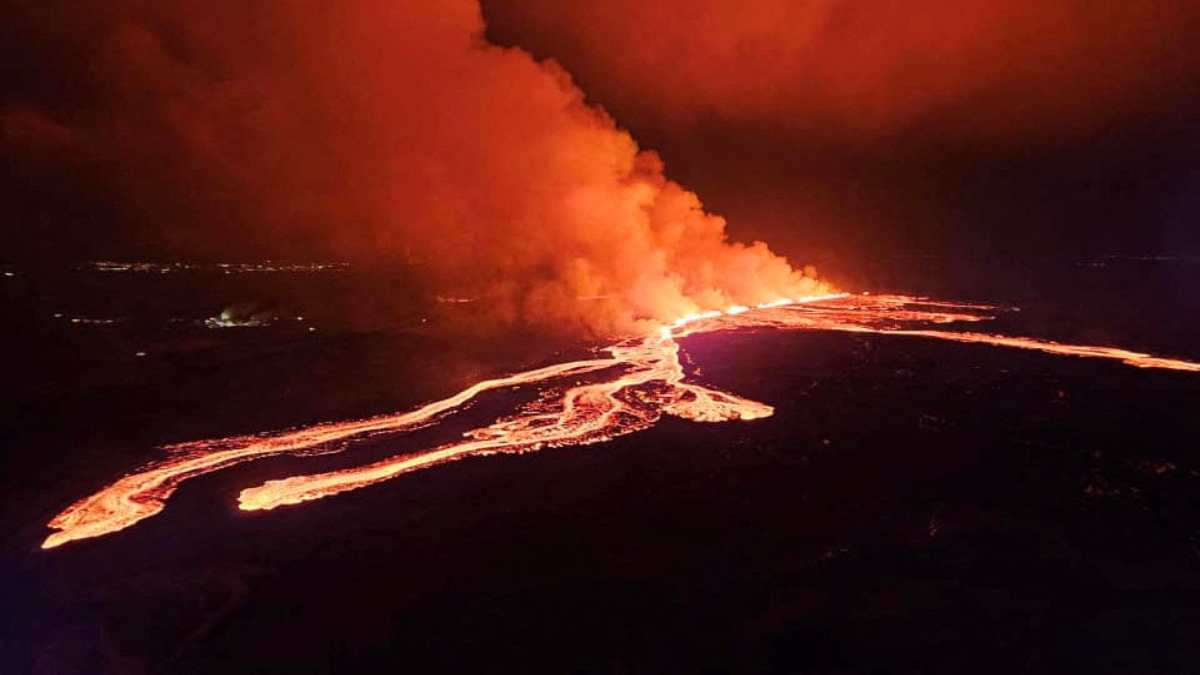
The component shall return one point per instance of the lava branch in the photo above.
(648, 383)
(589, 413)
(143, 494)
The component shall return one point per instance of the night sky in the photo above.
(833, 131)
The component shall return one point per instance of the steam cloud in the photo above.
(379, 130)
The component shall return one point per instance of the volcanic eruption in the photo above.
(392, 131)
(640, 380)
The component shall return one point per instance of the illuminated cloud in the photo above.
(391, 132)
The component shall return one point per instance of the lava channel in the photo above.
(648, 381)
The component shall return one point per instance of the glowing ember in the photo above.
(646, 381)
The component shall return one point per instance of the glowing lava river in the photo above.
(628, 390)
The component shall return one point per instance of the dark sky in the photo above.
(832, 130)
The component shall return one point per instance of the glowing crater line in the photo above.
(649, 383)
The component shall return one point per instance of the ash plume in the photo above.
(385, 131)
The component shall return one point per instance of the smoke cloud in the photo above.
(853, 131)
(868, 70)
(381, 130)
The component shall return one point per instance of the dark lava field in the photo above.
(912, 506)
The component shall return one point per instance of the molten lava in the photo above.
(640, 380)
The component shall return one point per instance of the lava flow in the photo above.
(640, 380)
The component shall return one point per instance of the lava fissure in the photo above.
(648, 381)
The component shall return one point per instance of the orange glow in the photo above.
(647, 381)
(143, 494)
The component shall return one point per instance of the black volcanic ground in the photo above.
(913, 506)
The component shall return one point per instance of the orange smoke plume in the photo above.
(978, 68)
(391, 130)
